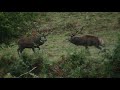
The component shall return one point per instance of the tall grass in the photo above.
(76, 64)
(79, 65)
(114, 64)
(16, 66)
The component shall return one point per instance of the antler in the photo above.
(81, 30)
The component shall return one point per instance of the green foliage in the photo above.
(14, 24)
(69, 66)
(6, 60)
(77, 58)
(26, 63)
(79, 65)
(16, 66)
(115, 61)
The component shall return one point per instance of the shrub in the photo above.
(14, 24)
(26, 63)
(115, 61)
(68, 66)
(79, 65)
(26, 66)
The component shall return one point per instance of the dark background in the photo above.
(59, 5)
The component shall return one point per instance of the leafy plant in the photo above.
(14, 24)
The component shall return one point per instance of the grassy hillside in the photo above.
(58, 48)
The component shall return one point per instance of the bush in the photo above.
(14, 24)
(79, 65)
(68, 66)
(26, 66)
(27, 63)
(115, 61)
(6, 60)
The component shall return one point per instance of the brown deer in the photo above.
(32, 42)
(87, 40)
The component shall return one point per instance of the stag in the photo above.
(32, 42)
(87, 40)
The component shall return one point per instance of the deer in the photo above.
(33, 41)
(87, 40)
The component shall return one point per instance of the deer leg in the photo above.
(101, 50)
(86, 47)
(98, 47)
(38, 47)
(87, 50)
(21, 50)
(33, 49)
(18, 51)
